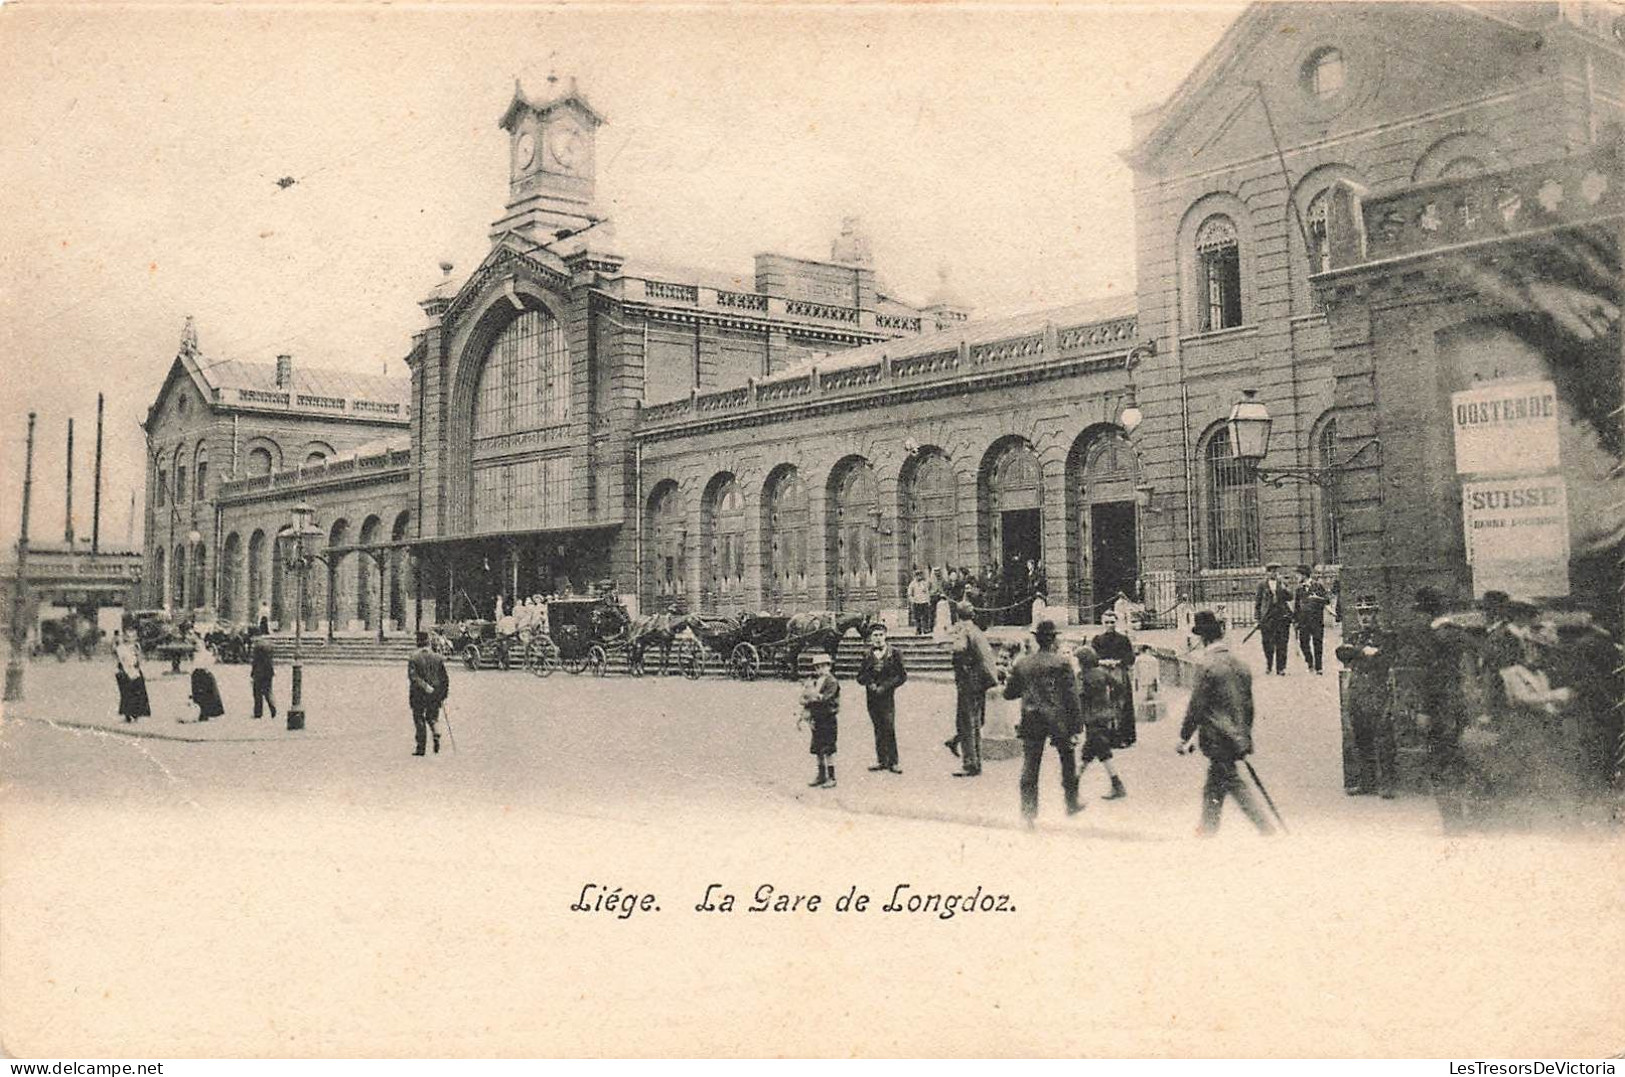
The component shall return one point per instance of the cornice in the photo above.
(684, 316)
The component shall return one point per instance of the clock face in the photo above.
(524, 151)
(566, 145)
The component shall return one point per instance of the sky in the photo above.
(140, 145)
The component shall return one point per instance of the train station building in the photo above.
(789, 436)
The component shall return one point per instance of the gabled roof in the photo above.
(312, 381)
(570, 96)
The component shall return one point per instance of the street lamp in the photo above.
(1131, 416)
(1249, 425)
(298, 561)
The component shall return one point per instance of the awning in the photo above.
(490, 536)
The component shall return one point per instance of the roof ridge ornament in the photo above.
(189, 346)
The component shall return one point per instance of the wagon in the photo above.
(481, 644)
(763, 638)
(579, 636)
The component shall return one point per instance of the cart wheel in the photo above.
(745, 663)
(575, 664)
(597, 660)
(693, 661)
(541, 657)
(471, 657)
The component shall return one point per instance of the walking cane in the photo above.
(1267, 798)
(445, 712)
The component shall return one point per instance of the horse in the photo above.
(824, 631)
(656, 630)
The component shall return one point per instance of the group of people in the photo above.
(527, 614)
(996, 594)
(1094, 709)
(1279, 608)
(134, 702)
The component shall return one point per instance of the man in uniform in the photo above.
(427, 688)
(881, 672)
(1050, 712)
(1309, 613)
(1220, 716)
(1368, 653)
(1272, 609)
(975, 671)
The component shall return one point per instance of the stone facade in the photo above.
(794, 438)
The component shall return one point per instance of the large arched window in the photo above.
(933, 514)
(668, 546)
(366, 576)
(259, 462)
(160, 578)
(1218, 260)
(202, 472)
(854, 527)
(785, 527)
(1328, 527)
(525, 383)
(1230, 516)
(1314, 223)
(256, 576)
(725, 552)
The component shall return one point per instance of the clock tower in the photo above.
(552, 165)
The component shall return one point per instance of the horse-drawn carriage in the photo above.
(228, 643)
(67, 636)
(482, 644)
(579, 636)
(751, 642)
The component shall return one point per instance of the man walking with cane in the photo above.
(427, 688)
(1220, 717)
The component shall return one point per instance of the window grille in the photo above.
(525, 383)
(787, 540)
(727, 568)
(1218, 252)
(1232, 507)
(669, 534)
(933, 515)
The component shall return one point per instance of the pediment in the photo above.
(1397, 60)
(184, 377)
(512, 255)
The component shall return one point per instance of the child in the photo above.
(1147, 684)
(1099, 710)
(821, 702)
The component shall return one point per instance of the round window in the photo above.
(1323, 73)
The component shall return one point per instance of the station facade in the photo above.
(795, 438)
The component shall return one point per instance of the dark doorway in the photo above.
(1112, 548)
(1021, 541)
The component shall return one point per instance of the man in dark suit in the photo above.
(1117, 653)
(1272, 610)
(1309, 611)
(427, 688)
(261, 672)
(975, 671)
(1050, 714)
(882, 673)
(1220, 718)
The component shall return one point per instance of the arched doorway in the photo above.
(400, 565)
(854, 529)
(231, 580)
(1013, 485)
(667, 549)
(340, 603)
(160, 579)
(786, 530)
(1102, 472)
(366, 576)
(256, 575)
(723, 546)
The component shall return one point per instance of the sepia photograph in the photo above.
(805, 530)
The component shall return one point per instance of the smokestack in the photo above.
(96, 497)
(67, 527)
(284, 371)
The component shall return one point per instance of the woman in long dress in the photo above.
(132, 682)
(205, 689)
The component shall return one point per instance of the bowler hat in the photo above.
(1272, 566)
(822, 658)
(1045, 629)
(1207, 625)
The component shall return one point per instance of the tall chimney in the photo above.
(67, 527)
(284, 372)
(96, 499)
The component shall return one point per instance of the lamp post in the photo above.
(1249, 425)
(19, 597)
(298, 561)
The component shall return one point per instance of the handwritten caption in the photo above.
(905, 899)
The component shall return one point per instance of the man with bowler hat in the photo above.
(1050, 713)
(1272, 609)
(261, 672)
(427, 688)
(1220, 718)
(1309, 613)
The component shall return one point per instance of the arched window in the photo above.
(1327, 524)
(181, 490)
(1218, 256)
(400, 569)
(163, 487)
(315, 457)
(525, 383)
(785, 538)
(160, 580)
(259, 462)
(725, 567)
(1462, 166)
(200, 576)
(1324, 73)
(202, 472)
(1230, 490)
(256, 576)
(366, 576)
(668, 546)
(855, 524)
(933, 514)
(178, 578)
